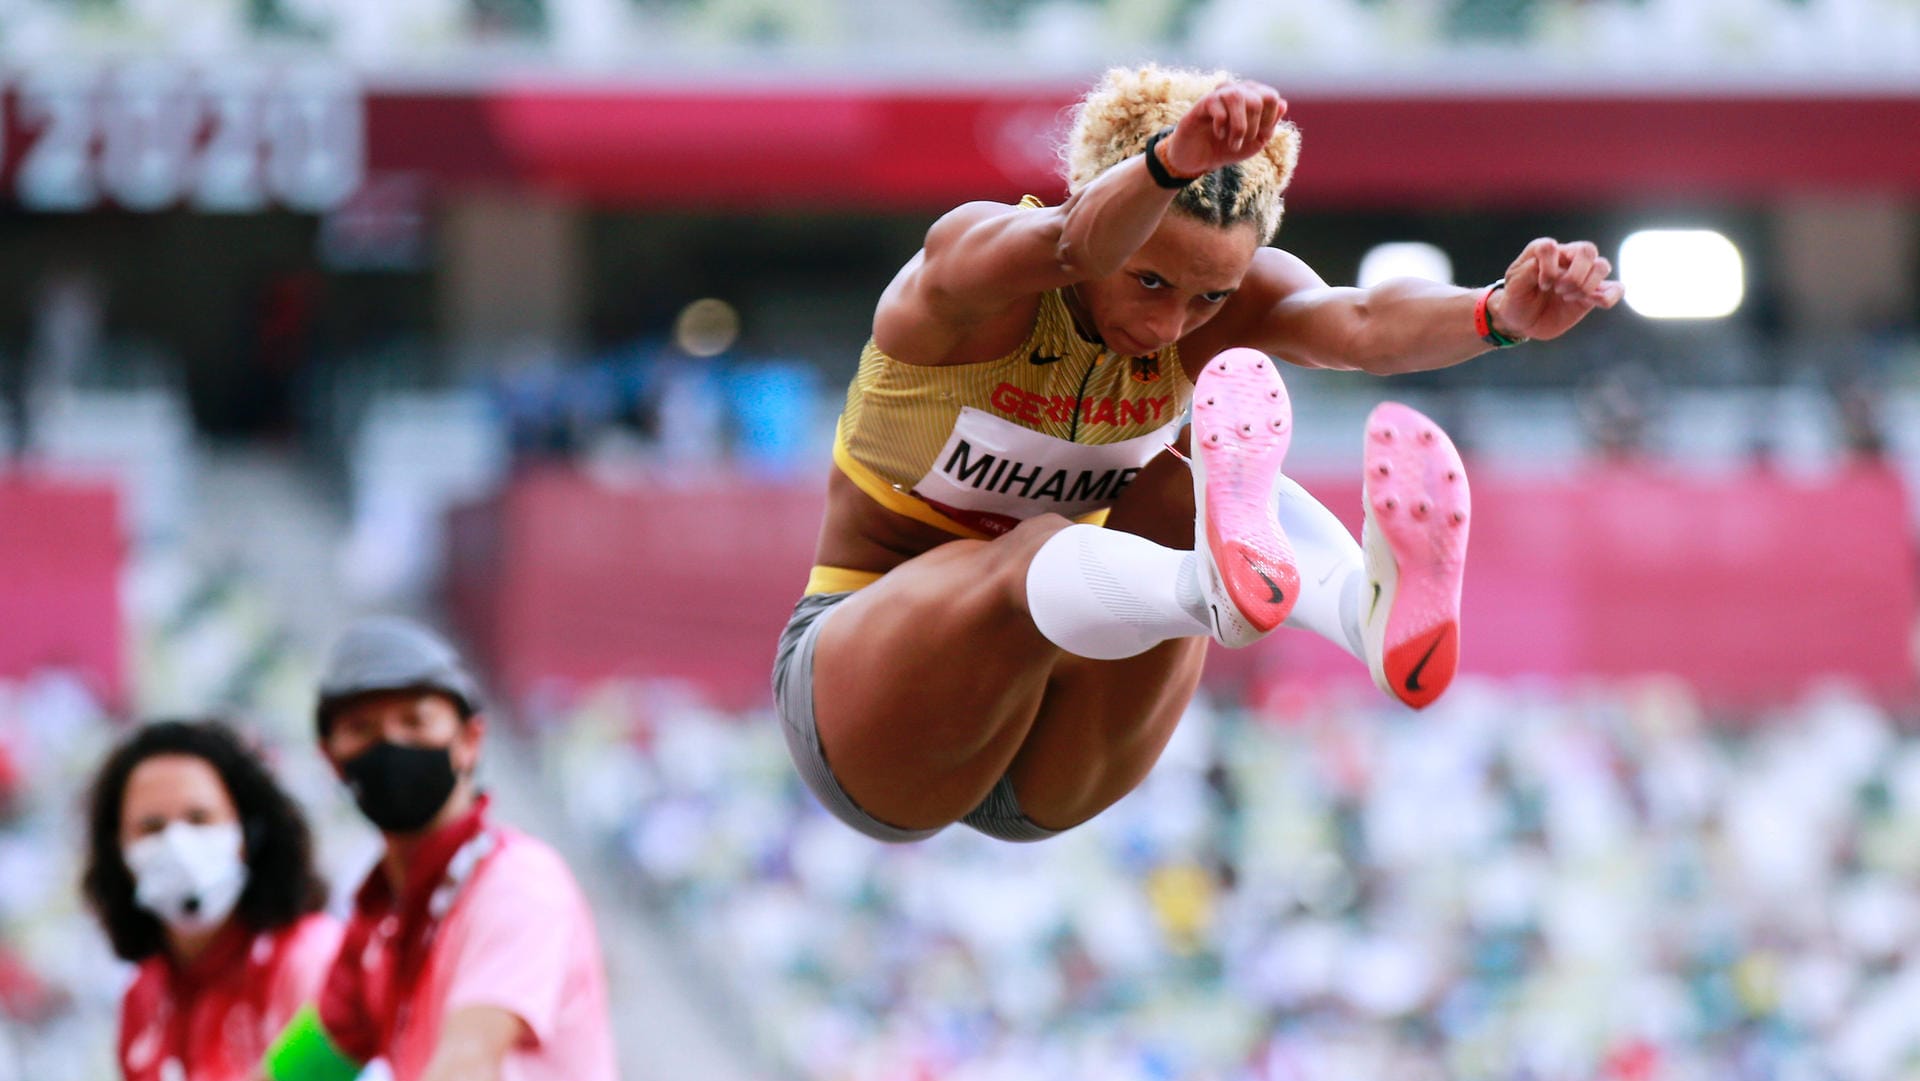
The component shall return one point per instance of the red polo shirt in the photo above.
(216, 1016)
(489, 917)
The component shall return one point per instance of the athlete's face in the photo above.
(1180, 278)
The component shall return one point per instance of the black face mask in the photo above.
(398, 788)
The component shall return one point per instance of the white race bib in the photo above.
(993, 474)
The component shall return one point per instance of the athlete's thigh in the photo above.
(1101, 728)
(926, 681)
(1103, 724)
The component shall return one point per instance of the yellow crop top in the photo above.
(1059, 425)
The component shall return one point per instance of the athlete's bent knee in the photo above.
(1017, 548)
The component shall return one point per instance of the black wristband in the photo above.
(1158, 170)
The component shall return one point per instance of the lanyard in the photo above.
(410, 950)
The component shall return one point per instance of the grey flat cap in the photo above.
(386, 653)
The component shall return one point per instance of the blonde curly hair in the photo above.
(1117, 117)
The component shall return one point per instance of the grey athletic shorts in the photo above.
(998, 815)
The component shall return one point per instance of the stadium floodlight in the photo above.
(1681, 274)
(1405, 259)
(706, 327)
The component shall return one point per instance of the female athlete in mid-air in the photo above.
(973, 644)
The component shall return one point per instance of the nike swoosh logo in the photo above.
(1277, 595)
(1039, 358)
(1413, 677)
(1375, 606)
(1272, 586)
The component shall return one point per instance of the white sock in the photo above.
(1333, 572)
(1103, 594)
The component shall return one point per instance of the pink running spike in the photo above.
(1417, 560)
(1242, 426)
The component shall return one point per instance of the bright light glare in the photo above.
(1405, 259)
(1681, 274)
(707, 327)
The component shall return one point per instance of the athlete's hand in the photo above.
(1231, 124)
(1550, 287)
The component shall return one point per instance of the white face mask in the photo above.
(189, 876)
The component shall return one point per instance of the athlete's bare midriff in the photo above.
(860, 534)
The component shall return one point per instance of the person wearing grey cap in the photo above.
(388, 677)
(470, 952)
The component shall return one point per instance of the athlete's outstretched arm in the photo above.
(981, 257)
(1408, 325)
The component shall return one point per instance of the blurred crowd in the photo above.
(57, 978)
(1523, 882)
(651, 400)
(1775, 36)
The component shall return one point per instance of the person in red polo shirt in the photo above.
(201, 870)
(471, 953)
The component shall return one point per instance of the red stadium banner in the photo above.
(867, 148)
(1749, 588)
(156, 134)
(561, 581)
(61, 554)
